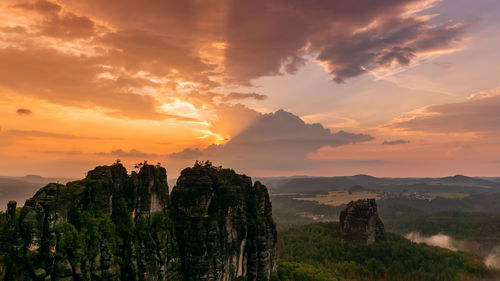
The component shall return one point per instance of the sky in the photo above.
(394, 88)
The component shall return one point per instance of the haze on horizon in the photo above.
(269, 88)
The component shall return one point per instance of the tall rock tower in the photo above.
(225, 229)
(359, 222)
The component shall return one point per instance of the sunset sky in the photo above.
(267, 87)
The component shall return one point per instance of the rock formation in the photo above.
(111, 225)
(359, 222)
(226, 227)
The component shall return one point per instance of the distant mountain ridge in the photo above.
(457, 183)
(21, 188)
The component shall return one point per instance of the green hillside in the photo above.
(315, 252)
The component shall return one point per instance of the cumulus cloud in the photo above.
(393, 142)
(23, 111)
(277, 140)
(232, 119)
(481, 113)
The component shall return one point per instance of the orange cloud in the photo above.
(42, 6)
(481, 113)
(122, 77)
(128, 59)
(67, 26)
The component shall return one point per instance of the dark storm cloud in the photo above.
(349, 37)
(268, 37)
(23, 111)
(277, 140)
(393, 142)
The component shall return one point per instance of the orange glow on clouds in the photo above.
(87, 82)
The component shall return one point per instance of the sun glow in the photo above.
(218, 139)
(181, 108)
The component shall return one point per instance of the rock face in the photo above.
(111, 225)
(359, 222)
(226, 227)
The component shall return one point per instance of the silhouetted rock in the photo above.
(359, 222)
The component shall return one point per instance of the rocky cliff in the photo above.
(215, 225)
(359, 222)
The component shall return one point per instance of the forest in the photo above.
(316, 252)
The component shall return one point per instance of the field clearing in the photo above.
(286, 194)
(337, 198)
(447, 195)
